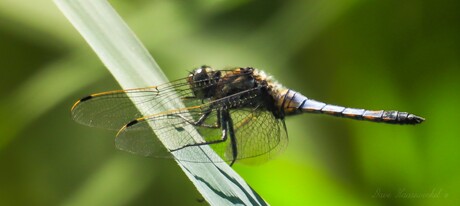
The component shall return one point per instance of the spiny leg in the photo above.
(222, 139)
(228, 120)
(200, 121)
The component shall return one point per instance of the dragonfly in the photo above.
(240, 113)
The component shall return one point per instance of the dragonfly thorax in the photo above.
(238, 80)
(208, 83)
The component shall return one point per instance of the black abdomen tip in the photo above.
(395, 117)
(414, 119)
(406, 118)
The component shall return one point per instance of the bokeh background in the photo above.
(392, 54)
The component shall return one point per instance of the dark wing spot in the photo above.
(132, 123)
(86, 98)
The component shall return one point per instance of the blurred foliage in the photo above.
(372, 54)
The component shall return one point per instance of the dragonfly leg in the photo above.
(222, 139)
(228, 120)
(227, 130)
(200, 121)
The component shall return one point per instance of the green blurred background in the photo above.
(401, 55)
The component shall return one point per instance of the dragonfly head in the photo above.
(203, 80)
(202, 73)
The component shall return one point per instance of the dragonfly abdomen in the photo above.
(295, 103)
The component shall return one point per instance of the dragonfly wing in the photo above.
(113, 109)
(260, 136)
(140, 136)
(178, 127)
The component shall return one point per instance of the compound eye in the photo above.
(206, 68)
(202, 69)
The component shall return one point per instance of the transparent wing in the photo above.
(259, 134)
(139, 138)
(113, 109)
